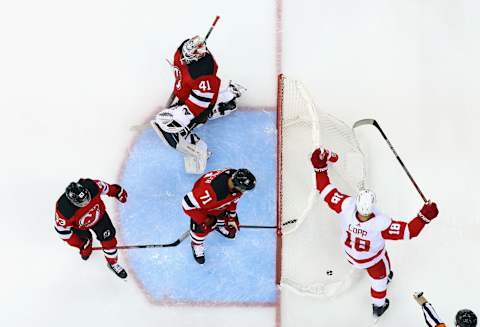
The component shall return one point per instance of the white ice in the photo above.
(74, 76)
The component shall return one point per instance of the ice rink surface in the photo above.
(75, 76)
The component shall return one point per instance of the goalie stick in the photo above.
(373, 122)
(174, 243)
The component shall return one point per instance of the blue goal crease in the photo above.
(236, 271)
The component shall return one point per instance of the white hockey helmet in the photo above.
(365, 202)
(194, 49)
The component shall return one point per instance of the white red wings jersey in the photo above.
(196, 83)
(364, 242)
(210, 196)
(68, 215)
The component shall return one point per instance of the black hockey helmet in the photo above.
(465, 318)
(243, 180)
(78, 194)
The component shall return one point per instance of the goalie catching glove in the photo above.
(321, 157)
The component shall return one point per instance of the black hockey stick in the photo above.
(148, 246)
(375, 123)
(175, 243)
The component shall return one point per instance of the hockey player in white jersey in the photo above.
(365, 228)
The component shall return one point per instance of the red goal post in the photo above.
(306, 230)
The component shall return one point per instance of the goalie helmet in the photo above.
(365, 201)
(194, 49)
(243, 180)
(78, 194)
(465, 318)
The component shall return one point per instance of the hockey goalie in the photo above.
(198, 99)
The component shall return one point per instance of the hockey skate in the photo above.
(378, 311)
(198, 251)
(226, 232)
(118, 270)
(390, 277)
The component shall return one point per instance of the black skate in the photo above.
(390, 277)
(198, 253)
(118, 270)
(378, 311)
(226, 232)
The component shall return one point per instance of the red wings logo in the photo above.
(91, 217)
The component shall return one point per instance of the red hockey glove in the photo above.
(428, 212)
(121, 194)
(86, 249)
(231, 221)
(320, 157)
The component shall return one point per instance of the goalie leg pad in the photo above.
(170, 139)
(196, 156)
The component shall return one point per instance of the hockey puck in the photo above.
(329, 272)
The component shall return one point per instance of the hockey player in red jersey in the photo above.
(81, 209)
(212, 205)
(365, 228)
(199, 98)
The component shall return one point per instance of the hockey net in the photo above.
(312, 259)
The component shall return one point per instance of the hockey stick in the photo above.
(148, 246)
(172, 96)
(173, 244)
(373, 122)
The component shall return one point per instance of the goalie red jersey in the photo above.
(210, 196)
(196, 81)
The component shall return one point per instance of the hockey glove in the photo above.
(86, 249)
(121, 194)
(320, 157)
(231, 221)
(418, 296)
(428, 212)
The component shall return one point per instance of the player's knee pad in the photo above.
(109, 244)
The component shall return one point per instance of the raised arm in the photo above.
(328, 192)
(401, 230)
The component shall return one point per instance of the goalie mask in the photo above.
(78, 194)
(194, 49)
(365, 202)
(243, 180)
(465, 318)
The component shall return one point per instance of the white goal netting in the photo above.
(312, 257)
